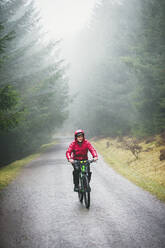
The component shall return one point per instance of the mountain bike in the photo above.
(84, 187)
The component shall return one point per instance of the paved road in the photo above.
(40, 210)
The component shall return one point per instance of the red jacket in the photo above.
(79, 151)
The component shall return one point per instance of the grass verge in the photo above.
(148, 171)
(9, 172)
(45, 147)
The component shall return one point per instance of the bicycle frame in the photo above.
(84, 188)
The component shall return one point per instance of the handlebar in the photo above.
(87, 161)
(79, 163)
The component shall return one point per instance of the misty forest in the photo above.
(113, 83)
(33, 86)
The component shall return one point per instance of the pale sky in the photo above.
(65, 17)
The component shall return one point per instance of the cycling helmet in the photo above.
(78, 133)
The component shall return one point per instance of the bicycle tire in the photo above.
(87, 199)
(80, 196)
(86, 192)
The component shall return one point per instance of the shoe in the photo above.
(76, 188)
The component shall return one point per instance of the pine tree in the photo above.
(34, 75)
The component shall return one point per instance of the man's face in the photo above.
(80, 138)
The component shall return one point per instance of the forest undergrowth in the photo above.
(146, 170)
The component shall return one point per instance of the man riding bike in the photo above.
(78, 150)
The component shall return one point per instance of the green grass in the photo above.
(117, 159)
(45, 147)
(9, 172)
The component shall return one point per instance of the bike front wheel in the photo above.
(87, 199)
(80, 196)
(80, 193)
(86, 192)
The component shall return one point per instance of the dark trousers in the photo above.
(76, 175)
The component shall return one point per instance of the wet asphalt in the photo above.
(40, 210)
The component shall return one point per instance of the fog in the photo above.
(101, 42)
(113, 73)
(96, 65)
(98, 78)
(65, 18)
